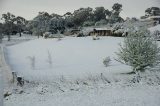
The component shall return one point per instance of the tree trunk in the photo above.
(9, 37)
(1, 37)
(20, 34)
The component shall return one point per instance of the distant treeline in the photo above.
(82, 17)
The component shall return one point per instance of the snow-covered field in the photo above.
(70, 57)
(70, 72)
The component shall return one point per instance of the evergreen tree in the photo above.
(139, 50)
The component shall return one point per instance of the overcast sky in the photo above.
(30, 8)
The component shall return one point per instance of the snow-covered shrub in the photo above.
(46, 34)
(136, 78)
(88, 23)
(32, 61)
(139, 50)
(156, 34)
(59, 39)
(95, 38)
(107, 61)
(101, 22)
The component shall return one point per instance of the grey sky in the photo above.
(30, 8)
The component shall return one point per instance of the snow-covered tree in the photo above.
(40, 23)
(115, 17)
(69, 22)
(139, 50)
(57, 25)
(20, 23)
(99, 13)
(9, 20)
(81, 15)
(1, 36)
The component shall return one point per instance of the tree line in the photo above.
(54, 23)
(152, 11)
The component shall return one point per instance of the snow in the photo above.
(77, 76)
(157, 27)
(96, 94)
(72, 57)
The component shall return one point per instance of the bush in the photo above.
(156, 34)
(101, 22)
(107, 61)
(95, 38)
(88, 23)
(139, 50)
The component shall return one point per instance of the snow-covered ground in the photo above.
(70, 72)
(70, 57)
(107, 95)
(15, 39)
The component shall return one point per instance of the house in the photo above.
(101, 32)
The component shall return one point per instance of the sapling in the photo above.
(49, 59)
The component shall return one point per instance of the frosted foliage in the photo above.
(156, 34)
(107, 61)
(49, 60)
(139, 50)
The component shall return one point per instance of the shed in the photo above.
(101, 32)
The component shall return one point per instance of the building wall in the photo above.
(100, 33)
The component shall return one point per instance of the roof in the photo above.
(102, 28)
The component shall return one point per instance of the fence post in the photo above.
(1, 89)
